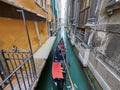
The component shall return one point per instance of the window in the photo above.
(37, 1)
(82, 34)
(44, 4)
(85, 4)
(41, 3)
(110, 2)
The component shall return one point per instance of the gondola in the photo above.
(58, 66)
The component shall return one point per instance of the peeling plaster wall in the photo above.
(108, 37)
(104, 57)
(13, 32)
(103, 45)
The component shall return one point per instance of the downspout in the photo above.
(29, 42)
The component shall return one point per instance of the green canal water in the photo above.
(76, 72)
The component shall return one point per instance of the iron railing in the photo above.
(22, 72)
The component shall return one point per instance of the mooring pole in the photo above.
(29, 42)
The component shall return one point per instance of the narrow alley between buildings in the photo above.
(59, 44)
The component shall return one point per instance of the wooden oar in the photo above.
(71, 82)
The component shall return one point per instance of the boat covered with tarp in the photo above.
(58, 65)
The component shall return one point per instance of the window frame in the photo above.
(38, 2)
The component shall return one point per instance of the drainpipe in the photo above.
(29, 42)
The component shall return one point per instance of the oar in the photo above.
(71, 82)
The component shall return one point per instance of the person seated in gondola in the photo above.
(55, 59)
(63, 52)
(62, 47)
(62, 63)
(60, 57)
(57, 48)
(61, 44)
(57, 54)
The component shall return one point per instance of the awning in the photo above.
(56, 70)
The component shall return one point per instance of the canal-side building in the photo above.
(94, 31)
(25, 42)
(38, 15)
(56, 8)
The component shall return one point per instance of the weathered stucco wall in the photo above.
(13, 32)
(49, 9)
(43, 29)
(108, 35)
(102, 55)
(106, 47)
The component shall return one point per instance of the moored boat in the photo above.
(58, 66)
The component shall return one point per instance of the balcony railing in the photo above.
(22, 72)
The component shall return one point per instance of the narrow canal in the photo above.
(77, 75)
